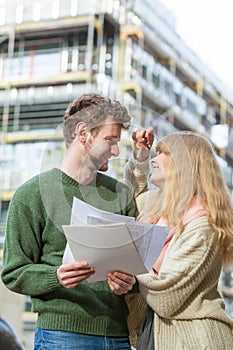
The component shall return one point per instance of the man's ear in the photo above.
(81, 132)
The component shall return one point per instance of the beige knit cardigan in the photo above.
(188, 309)
(189, 312)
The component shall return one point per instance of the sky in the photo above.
(206, 26)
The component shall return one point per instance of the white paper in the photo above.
(103, 229)
(107, 248)
(81, 210)
(148, 239)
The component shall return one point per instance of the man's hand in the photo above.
(143, 140)
(120, 283)
(70, 275)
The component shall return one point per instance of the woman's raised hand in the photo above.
(143, 141)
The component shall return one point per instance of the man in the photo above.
(72, 313)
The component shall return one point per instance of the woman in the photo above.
(185, 307)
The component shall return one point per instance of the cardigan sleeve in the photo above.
(189, 259)
(136, 175)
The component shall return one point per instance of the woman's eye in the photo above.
(157, 153)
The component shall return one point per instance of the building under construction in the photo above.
(52, 51)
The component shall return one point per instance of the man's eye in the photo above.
(112, 141)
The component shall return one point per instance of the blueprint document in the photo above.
(111, 242)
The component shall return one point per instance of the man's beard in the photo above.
(97, 163)
(104, 167)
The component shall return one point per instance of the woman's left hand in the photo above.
(120, 283)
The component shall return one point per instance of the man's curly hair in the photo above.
(92, 109)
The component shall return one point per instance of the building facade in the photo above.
(52, 51)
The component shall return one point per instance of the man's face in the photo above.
(103, 145)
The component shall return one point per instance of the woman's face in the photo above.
(157, 177)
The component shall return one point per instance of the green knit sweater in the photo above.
(34, 248)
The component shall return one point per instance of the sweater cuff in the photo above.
(146, 278)
(136, 175)
(140, 167)
(52, 280)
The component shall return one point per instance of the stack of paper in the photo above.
(111, 242)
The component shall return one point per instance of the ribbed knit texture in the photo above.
(35, 244)
(189, 312)
(136, 174)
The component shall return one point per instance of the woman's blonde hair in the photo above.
(192, 170)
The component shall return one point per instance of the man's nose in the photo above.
(115, 150)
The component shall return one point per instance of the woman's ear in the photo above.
(81, 132)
